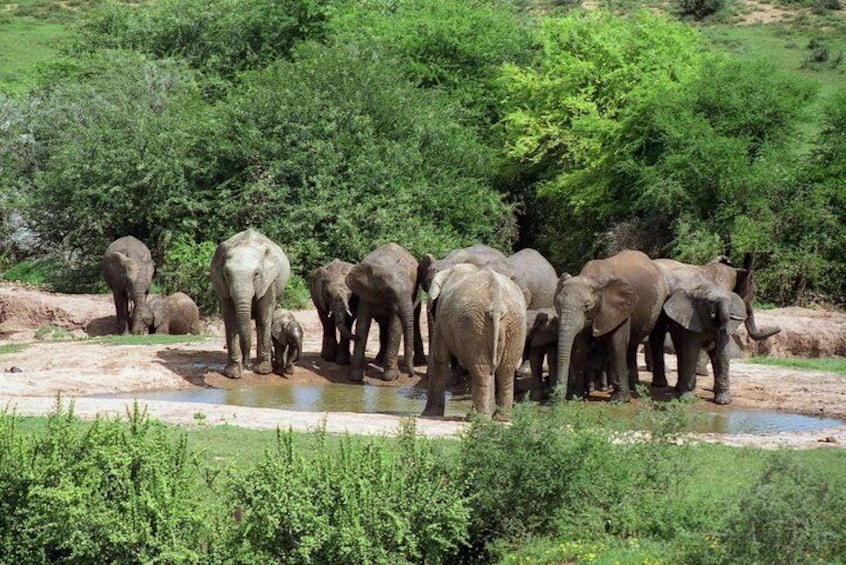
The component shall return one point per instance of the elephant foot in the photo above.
(232, 370)
(262, 368)
(289, 370)
(355, 375)
(621, 397)
(502, 416)
(433, 410)
(391, 374)
(722, 397)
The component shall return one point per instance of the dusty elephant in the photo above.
(128, 270)
(532, 270)
(174, 314)
(286, 335)
(336, 308)
(616, 301)
(701, 316)
(726, 276)
(249, 273)
(480, 319)
(385, 282)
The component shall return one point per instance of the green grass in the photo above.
(153, 339)
(828, 364)
(7, 348)
(24, 43)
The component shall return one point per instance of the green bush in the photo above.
(105, 492)
(700, 8)
(792, 514)
(361, 501)
(185, 267)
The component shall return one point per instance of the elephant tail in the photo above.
(496, 312)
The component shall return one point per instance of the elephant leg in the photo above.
(342, 354)
(482, 389)
(617, 351)
(702, 364)
(504, 391)
(392, 349)
(122, 311)
(655, 349)
(438, 374)
(419, 351)
(329, 347)
(687, 345)
(720, 363)
(362, 327)
(233, 343)
(384, 328)
(552, 360)
(536, 355)
(277, 355)
(631, 365)
(264, 318)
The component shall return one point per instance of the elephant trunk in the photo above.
(406, 315)
(752, 327)
(341, 311)
(243, 311)
(569, 325)
(724, 313)
(139, 306)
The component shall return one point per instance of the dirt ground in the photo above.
(82, 368)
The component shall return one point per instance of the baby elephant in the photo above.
(287, 337)
(175, 314)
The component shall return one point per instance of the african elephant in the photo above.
(480, 319)
(286, 335)
(385, 282)
(533, 271)
(726, 276)
(336, 307)
(175, 314)
(615, 301)
(128, 270)
(249, 273)
(479, 255)
(700, 315)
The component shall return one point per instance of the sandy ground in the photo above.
(82, 368)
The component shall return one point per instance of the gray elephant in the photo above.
(480, 319)
(175, 314)
(726, 276)
(701, 316)
(286, 335)
(249, 273)
(336, 308)
(533, 271)
(385, 282)
(128, 270)
(479, 255)
(616, 301)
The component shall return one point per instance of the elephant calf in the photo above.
(287, 337)
(128, 271)
(480, 319)
(175, 314)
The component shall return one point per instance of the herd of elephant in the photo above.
(488, 314)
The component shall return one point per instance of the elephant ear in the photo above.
(618, 302)
(267, 273)
(681, 308)
(438, 282)
(564, 278)
(423, 270)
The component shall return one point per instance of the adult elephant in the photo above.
(385, 282)
(615, 301)
(175, 314)
(249, 273)
(128, 270)
(480, 320)
(480, 255)
(531, 270)
(726, 276)
(700, 315)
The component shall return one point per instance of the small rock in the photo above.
(14, 369)
(828, 439)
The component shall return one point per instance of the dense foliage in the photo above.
(334, 126)
(140, 492)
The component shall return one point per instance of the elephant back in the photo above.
(126, 260)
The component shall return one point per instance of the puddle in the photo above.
(407, 401)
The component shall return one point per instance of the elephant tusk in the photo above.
(736, 318)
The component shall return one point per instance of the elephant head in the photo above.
(587, 307)
(706, 309)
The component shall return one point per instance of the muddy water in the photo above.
(364, 398)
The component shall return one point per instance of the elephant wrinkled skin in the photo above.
(615, 301)
(336, 307)
(128, 270)
(249, 273)
(480, 320)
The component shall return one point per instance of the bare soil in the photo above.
(71, 364)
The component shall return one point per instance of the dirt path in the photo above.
(82, 368)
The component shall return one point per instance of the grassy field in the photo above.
(828, 364)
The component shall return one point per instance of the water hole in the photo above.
(409, 401)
